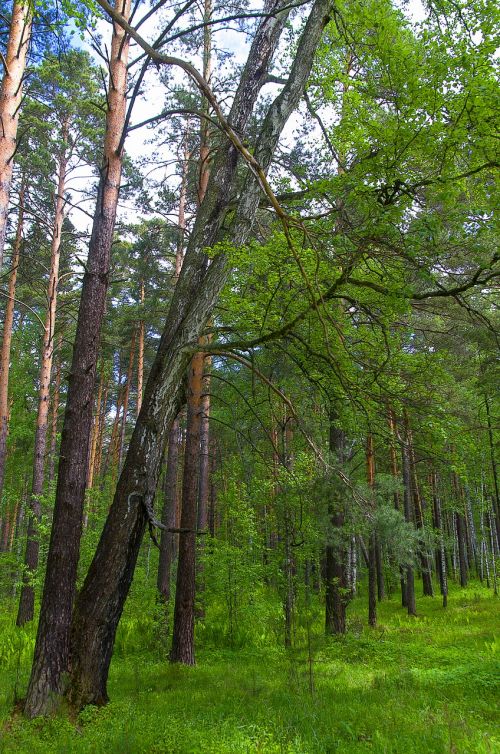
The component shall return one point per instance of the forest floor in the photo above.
(427, 684)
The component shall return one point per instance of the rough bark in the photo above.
(27, 598)
(7, 339)
(51, 656)
(100, 602)
(11, 94)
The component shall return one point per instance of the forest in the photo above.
(249, 376)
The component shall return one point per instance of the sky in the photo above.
(138, 144)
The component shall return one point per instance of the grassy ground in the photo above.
(428, 684)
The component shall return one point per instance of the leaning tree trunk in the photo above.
(51, 657)
(102, 597)
(27, 598)
(335, 553)
(7, 339)
(11, 94)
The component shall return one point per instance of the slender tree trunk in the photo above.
(441, 555)
(496, 500)
(101, 599)
(11, 93)
(460, 532)
(410, 578)
(7, 339)
(102, 431)
(140, 351)
(51, 658)
(55, 412)
(96, 428)
(126, 398)
(183, 634)
(397, 501)
(27, 599)
(335, 554)
(372, 542)
(168, 519)
(170, 511)
(419, 514)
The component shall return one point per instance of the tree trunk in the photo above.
(372, 541)
(460, 532)
(496, 499)
(11, 94)
(55, 413)
(51, 658)
(419, 514)
(335, 554)
(441, 555)
(7, 339)
(168, 517)
(126, 398)
(140, 352)
(183, 634)
(96, 428)
(27, 598)
(410, 578)
(101, 599)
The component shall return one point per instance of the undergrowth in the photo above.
(413, 685)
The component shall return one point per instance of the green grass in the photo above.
(427, 684)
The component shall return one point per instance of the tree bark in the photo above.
(51, 656)
(11, 94)
(169, 511)
(101, 599)
(55, 413)
(27, 598)
(183, 633)
(7, 338)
